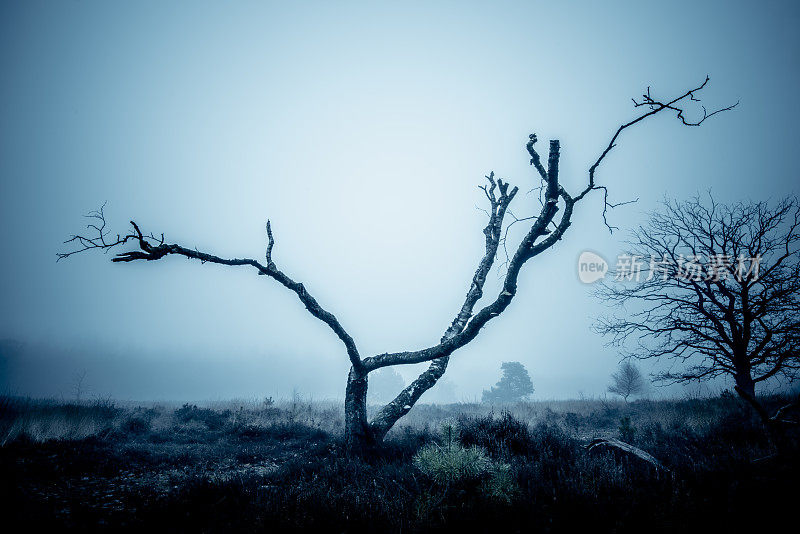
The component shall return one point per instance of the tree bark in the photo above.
(357, 432)
(401, 405)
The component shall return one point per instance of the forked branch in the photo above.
(151, 249)
(538, 239)
(544, 232)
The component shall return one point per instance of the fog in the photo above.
(362, 133)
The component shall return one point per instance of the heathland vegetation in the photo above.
(278, 466)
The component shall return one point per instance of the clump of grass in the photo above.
(501, 437)
(48, 420)
(213, 419)
(136, 424)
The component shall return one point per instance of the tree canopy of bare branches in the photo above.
(627, 381)
(718, 292)
(545, 230)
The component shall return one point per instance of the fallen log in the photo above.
(615, 444)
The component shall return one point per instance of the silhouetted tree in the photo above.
(718, 292)
(515, 385)
(627, 381)
(384, 385)
(545, 230)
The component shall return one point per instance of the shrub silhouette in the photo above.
(515, 385)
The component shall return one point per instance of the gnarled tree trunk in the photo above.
(356, 428)
(543, 233)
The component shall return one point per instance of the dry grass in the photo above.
(250, 465)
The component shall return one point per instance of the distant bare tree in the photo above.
(718, 292)
(545, 230)
(78, 387)
(627, 381)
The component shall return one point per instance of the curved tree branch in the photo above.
(152, 249)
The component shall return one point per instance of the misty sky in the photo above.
(362, 131)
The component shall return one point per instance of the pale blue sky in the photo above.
(361, 130)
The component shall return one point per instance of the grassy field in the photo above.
(264, 466)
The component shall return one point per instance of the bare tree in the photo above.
(627, 381)
(545, 231)
(78, 387)
(717, 291)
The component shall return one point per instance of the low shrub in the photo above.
(213, 419)
(452, 464)
(501, 437)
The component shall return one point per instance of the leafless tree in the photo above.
(718, 293)
(545, 231)
(78, 387)
(627, 381)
